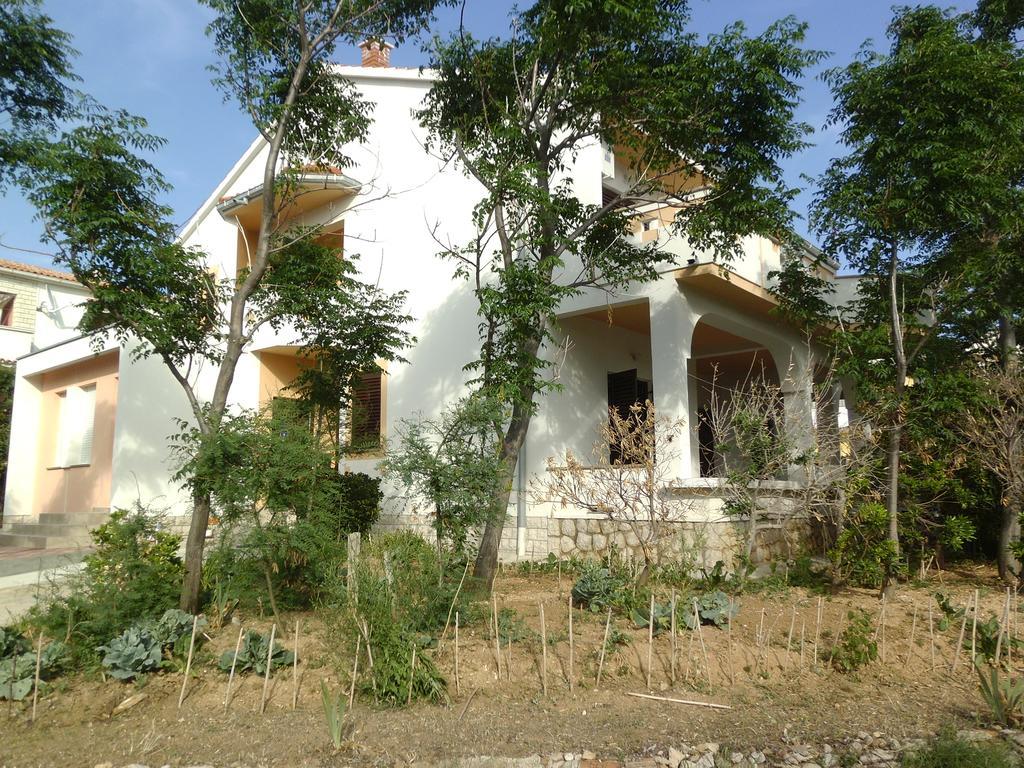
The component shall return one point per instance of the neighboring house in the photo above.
(38, 307)
(91, 424)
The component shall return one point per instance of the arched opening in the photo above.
(722, 364)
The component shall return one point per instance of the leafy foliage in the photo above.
(18, 670)
(712, 607)
(1004, 696)
(131, 579)
(453, 463)
(133, 653)
(948, 750)
(334, 713)
(855, 647)
(12, 642)
(598, 588)
(863, 554)
(252, 655)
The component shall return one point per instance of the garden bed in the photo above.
(773, 697)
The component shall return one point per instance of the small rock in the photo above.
(675, 757)
(130, 702)
(736, 757)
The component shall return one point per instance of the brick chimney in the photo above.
(376, 53)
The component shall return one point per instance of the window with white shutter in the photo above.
(77, 417)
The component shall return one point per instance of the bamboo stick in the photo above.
(295, 668)
(974, 630)
(679, 701)
(792, 624)
(913, 630)
(960, 640)
(35, 683)
(497, 640)
(266, 675)
(817, 632)
(803, 628)
(412, 675)
(732, 662)
(544, 651)
(1002, 626)
(931, 638)
(355, 673)
(451, 608)
(458, 686)
(234, 661)
(650, 640)
(604, 645)
(703, 648)
(188, 664)
(672, 662)
(572, 649)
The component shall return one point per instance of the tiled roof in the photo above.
(32, 269)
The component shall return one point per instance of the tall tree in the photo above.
(99, 198)
(35, 82)
(701, 124)
(932, 127)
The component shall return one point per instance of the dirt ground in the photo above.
(772, 694)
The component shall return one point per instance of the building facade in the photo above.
(665, 339)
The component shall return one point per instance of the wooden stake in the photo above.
(913, 629)
(931, 637)
(1002, 626)
(604, 645)
(792, 624)
(974, 630)
(803, 628)
(295, 668)
(355, 673)
(544, 651)
(508, 659)
(817, 632)
(234, 661)
(266, 676)
(672, 662)
(497, 640)
(960, 640)
(732, 663)
(881, 618)
(188, 664)
(458, 686)
(839, 634)
(760, 631)
(559, 577)
(35, 684)
(572, 649)
(412, 675)
(452, 606)
(650, 640)
(703, 648)
(679, 701)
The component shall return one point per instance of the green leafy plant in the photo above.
(662, 617)
(252, 655)
(133, 576)
(174, 631)
(17, 671)
(948, 750)
(12, 642)
(855, 645)
(1004, 696)
(512, 627)
(334, 713)
(950, 613)
(863, 554)
(133, 653)
(712, 607)
(599, 588)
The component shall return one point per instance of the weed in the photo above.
(334, 713)
(947, 750)
(855, 645)
(1004, 696)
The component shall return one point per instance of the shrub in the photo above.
(947, 750)
(360, 498)
(131, 579)
(12, 642)
(18, 671)
(855, 645)
(863, 554)
(252, 655)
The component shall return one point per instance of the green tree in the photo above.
(35, 83)
(99, 199)
(686, 115)
(931, 127)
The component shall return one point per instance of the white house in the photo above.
(38, 307)
(90, 424)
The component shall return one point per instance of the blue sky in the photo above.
(150, 57)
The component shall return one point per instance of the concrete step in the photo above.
(33, 541)
(90, 519)
(55, 529)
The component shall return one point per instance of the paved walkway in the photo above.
(23, 571)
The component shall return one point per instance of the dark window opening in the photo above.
(625, 391)
(365, 411)
(7, 309)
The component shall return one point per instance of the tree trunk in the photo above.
(486, 565)
(1009, 534)
(1008, 357)
(194, 544)
(896, 430)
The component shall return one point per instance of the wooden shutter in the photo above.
(86, 420)
(622, 392)
(366, 411)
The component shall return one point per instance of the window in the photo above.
(624, 391)
(608, 196)
(76, 422)
(6, 309)
(365, 411)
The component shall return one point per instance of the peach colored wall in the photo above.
(81, 488)
(277, 371)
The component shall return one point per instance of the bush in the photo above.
(863, 554)
(360, 497)
(947, 750)
(131, 579)
(855, 645)
(599, 588)
(18, 670)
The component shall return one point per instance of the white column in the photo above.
(24, 452)
(671, 337)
